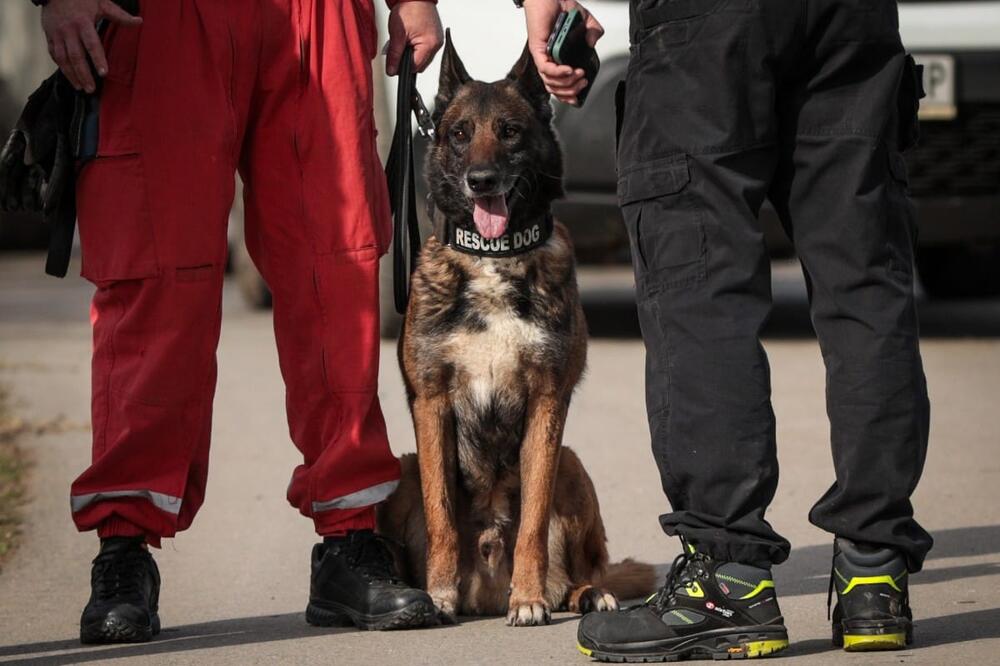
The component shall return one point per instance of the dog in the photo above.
(493, 515)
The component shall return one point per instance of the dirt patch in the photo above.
(12, 470)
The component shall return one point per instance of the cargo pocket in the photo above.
(347, 288)
(911, 91)
(116, 135)
(619, 112)
(116, 229)
(664, 224)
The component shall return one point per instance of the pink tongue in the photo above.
(490, 216)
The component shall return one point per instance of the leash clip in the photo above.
(424, 123)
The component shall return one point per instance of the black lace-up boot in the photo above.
(707, 609)
(354, 581)
(124, 593)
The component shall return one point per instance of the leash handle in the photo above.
(402, 186)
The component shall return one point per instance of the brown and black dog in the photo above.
(493, 514)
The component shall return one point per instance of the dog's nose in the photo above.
(482, 180)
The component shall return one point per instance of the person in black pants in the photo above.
(808, 104)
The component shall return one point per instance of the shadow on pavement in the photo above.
(202, 636)
(805, 572)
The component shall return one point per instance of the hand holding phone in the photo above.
(568, 45)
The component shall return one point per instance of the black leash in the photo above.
(402, 184)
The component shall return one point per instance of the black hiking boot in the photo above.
(124, 594)
(707, 609)
(354, 581)
(873, 605)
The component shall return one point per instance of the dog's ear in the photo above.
(452, 77)
(525, 76)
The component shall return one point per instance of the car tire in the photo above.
(960, 271)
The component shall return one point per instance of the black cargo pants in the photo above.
(807, 103)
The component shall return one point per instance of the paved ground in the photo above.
(235, 584)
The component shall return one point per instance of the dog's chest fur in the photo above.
(488, 331)
(488, 354)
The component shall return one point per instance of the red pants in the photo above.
(282, 91)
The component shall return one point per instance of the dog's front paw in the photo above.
(446, 602)
(596, 599)
(526, 612)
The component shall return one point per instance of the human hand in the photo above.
(70, 28)
(416, 23)
(540, 16)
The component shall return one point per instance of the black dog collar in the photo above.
(512, 243)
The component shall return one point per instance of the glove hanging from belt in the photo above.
(38, 164)
(56, 133)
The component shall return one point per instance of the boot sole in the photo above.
(874, 637)
(115, 629)
(418, 614)
(717, 646)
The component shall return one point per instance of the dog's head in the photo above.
(496, 158)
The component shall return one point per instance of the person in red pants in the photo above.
(191, 92)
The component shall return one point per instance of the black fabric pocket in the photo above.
(911, 91)
(666, 232)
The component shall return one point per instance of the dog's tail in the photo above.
(629, 579)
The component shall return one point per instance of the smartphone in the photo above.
(568, 46)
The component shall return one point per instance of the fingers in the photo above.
(568, 95)
(424, 52)
(416, 23)
(421, 56)
(77, 61)
(57, 49)
(113, 12)
(394, 55)
(594, 30)
(564, 85)
(554, 73)
(92, 43)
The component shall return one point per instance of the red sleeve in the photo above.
(393, 3)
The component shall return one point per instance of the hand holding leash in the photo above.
(414, 24)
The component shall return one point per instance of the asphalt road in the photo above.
(235, 585)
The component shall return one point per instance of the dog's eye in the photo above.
(460, 134)
(510, 132)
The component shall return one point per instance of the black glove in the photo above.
(38, 164)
